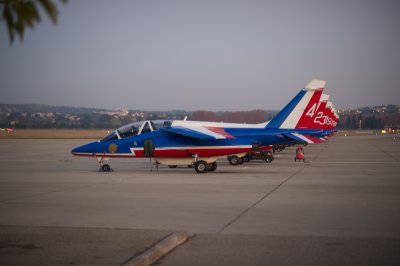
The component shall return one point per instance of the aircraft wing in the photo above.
(197, 132)
(304, 138)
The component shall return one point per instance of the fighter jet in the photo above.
(7, 130)
(200, 144)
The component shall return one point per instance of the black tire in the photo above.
(105, 168)
(201, 167)
(172, 166)
(268, 159)
(247, 158)
(212, 167)
(233, 160)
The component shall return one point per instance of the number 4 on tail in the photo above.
(313, 109)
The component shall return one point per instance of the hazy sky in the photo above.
(208, 55)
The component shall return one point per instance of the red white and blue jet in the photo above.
(7, 130)
(307, 118)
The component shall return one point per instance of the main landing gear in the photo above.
(202, 167)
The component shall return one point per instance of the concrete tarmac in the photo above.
(342, 206)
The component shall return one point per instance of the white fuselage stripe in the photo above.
(303, 137)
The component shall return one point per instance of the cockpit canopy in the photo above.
(137, 128)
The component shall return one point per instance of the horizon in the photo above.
(183, 110)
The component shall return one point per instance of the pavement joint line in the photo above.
(159, 250)
(272, 191)
(264, 197)
(320, 151)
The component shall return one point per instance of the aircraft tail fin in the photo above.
(299, 112)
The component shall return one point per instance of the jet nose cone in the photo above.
(84, 149)
(76, 150)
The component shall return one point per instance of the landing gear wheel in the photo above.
(212, 167)
(105, 168)
(201, 167)
(247, 158)
(233, 160)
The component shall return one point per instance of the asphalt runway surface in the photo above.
(342, 206)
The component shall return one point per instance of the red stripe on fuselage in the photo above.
(175, 153)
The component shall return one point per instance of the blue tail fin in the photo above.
(292, 113)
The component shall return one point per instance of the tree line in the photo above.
(360, 122)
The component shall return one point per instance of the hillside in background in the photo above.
(377, 117)
(46, 116)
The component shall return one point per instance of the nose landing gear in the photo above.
(103, 166)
